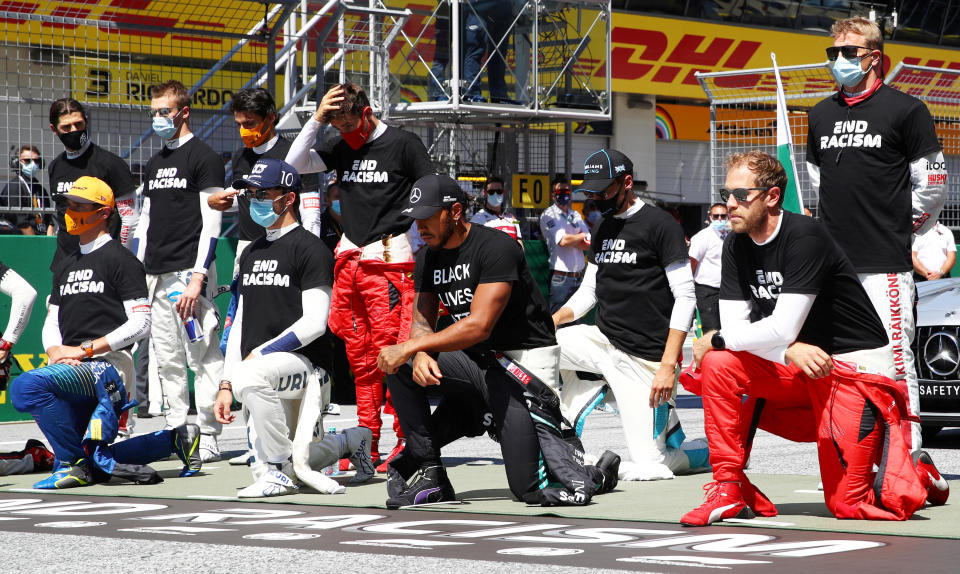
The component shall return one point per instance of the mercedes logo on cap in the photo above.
(941, 353)
(415, 195)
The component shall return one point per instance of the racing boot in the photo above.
(186, 443)
(357, 449)
(609, 465)
(276, 481)
(723, 500)
(937, 488)
(209, 449)
(67, 476)
(429, 486)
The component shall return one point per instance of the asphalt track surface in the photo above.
(40, 531)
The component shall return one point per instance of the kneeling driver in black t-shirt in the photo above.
(494, 358)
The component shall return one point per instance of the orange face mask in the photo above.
(256, 136)
(80, 221)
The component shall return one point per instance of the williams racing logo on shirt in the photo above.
(614, 251)
(166, 178)
(81, 281)
(767, 285)
(364, 171)
(264, 273)
(850, 134)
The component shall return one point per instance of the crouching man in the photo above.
(284, 284)
(494, 358)
(98, 309)
(818, 345)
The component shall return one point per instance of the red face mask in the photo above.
(358, 137)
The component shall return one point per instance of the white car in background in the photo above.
(937, 352)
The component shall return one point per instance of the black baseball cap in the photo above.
(431, 193)
(601, 168)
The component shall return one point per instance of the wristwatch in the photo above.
(87, 347)
(5, 345)
(717, 341)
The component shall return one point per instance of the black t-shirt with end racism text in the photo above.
(95, 162)
(90, 291)
(174, 179)
(864, 153)
(273, 274)
(488, 256)
(803, 258)
(375, 182)
(242, 165)
(634, 301)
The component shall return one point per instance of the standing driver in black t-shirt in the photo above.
(284, 287)
(639, 278)
(799, 334)
(70, 122)
(873, 153)
(497, 355)
(176, 239)
(375, 166)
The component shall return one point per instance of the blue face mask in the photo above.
(164, 127)
(495, 199)
(29, 169)
(335, 206)
(848, 72)
(261, 211)
(720, 226)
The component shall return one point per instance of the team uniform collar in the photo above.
(87, 248)
(274, 234)
(83, 149)
(266, 146)
(179, 142)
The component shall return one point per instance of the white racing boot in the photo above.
(276, 481)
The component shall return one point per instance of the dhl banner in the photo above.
(648, 55)
(110, 82)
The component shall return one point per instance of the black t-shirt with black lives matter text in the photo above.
(634, 301)
(488, 256)
(803, 258)
(242, 165)
(174, 179)
(864, 153)
(375, 182)
(90, 290)
(95, 162)
(272, 276)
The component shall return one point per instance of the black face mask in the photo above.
(608, 207)
(73, 141)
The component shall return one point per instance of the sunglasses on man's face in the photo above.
(163, 112)
(849, 52)
(494, 191)
(259, 194)
(718, 216)
(741, 193)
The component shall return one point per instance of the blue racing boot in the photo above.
(67, 476)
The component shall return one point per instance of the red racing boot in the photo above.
(723, 500)
(937, 488)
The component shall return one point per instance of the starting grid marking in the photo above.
(536, 540)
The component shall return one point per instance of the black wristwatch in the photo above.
(717, 341)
